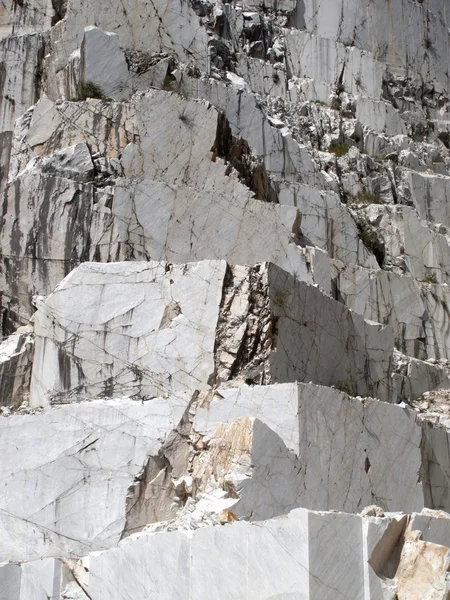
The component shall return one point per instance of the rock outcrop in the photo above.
(224, 271)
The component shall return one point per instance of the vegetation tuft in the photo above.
(339, 149)
(281, 297)
(430, 278)
(89, 89)
(348, 386)
(365, 198)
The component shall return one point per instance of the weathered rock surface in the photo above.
(16, 359)
(224, 262)
(397, 561)
(337, 451)
(65, 485)
(138, 329)
(103, 63)
(142, 205)
(143, 329)
(90, 473)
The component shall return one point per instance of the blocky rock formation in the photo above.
(224, 271)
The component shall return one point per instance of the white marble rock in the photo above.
(16, 359)
(225, 428)
(298, 547)
(103, 63)
(140, 329)
(151, 328)
(315, 447)
(66, 473)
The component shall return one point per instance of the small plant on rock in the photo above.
(89, 89)
(168, 83)
(281, 297)
(339, 149)
(348, 386)
(430, 278)
(365, 198)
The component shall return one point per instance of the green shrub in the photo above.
(430, 278)
(348, 386)
(89, 89)
(339, 149)
(364, 198)
(281, 297)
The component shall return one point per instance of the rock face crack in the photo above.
(158, 491)
(244, 330)
(238, 155)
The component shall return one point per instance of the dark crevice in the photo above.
(59, 9)
(238, 155)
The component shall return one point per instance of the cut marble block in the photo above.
(103, 63)
(19, 60)
(47, 234)
(328, 223)
(413, 377)
(128, 328)
(304, 555)
(417, 312)
(6, 19)
(84, 475)
(431, 195)
(284, 446)
(35, 580)
(65, 473)
(421, 250)
(436, 465)
(324, 61)
(397, 36)
(317, 339)
(219, 221)
(148, 328)
(380, 116)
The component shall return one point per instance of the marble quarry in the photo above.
(224, 300)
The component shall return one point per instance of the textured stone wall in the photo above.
(224, 306)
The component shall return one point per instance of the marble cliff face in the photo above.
(225, 305)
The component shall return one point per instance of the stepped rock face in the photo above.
(148, 328)
(297, 545)
(224, 301)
